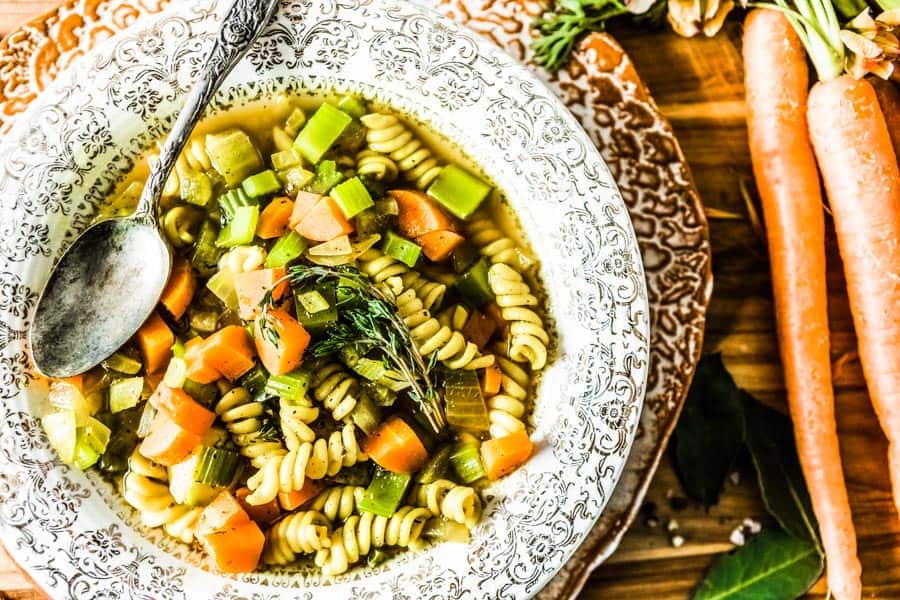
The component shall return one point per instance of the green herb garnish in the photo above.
(559, 31)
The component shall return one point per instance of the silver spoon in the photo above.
(110, 279)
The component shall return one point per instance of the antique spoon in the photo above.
(110, 279)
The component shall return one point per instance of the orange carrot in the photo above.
(224, 512)
(280, 341)
(396, 447)
(252, 287)
(196, 361)
(503, 455)
(325, 221)
(889, 100)
(229, 351)
(274, 220)
(182, 409)
(168, 443)
(419, 214)
(439, 244)
(179, 289)
(296, 498)
(155, 340)
(479, 329)
(776, 82)
(490, 383)
(235, 550)
(303, 205)
(261, 513)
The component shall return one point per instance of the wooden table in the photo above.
(698, 86)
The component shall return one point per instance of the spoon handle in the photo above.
(244, 22)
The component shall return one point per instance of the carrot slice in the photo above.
(182, 409)
(179, 289)
(303, 205)
(252, 287)
(274, 220)
(296, 498)
(261, 513)
(280, 341)
(197, 368)
(490, 383)
(439, 244)
(479, 329)
(504, 455)
(155, 340)
(235, 550)
(324, 222)
(168, 443)
(396, 447)
(419, 214)
(224, 512)
(229, 351)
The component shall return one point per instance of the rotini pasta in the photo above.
(388, 135)
(302, 532)
(247, 422)
(195, 154)
(379, 267)
(528, 338)
(295, 420)
(361, 533)
(377, 166)
(180, 224)
(241, 259)
(336, 389)
(339, 502)
(459, 503)
(507, 408)
(491, 242)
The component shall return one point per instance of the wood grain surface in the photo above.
(698, 86)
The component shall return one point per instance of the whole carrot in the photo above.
(776, 80)
(889, 99)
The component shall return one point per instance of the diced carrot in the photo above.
(168, 443)
(284, 353)
(179, 289)
(229, 351)
(154, 379)
(252, 287)
(224, 512)
(197, 368)
(504, 455)
(303, 205)
(235, 550)
(479, 329)
(396, 447)
(296, 498)
(184, 410)
(490, 383)
(419, 214)
(439, 244)
(274, 220)
(324, 222)
(155, 340)
(261, 513)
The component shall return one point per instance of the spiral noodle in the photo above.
(361, 533)
(339, 502)
(379, 267)
(490, 241)
(302, 532)
(145, 487)
(196, 156)
(245, 419)
(336, 389)
(507, 408)
(387, 135)
(180, 224)
(313, 460)
(459, 503)
(375, 165)
(295, 419)
(430, 336)
(528, 338)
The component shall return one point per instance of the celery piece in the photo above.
(385, 492)
(178, 349)
(233, 155)
(261, 184)
(125, 393)
(358, 474)
(295, 121)
(62, 432)
(465, 407)
(466, 462)
(352, 197)
(281, 161)
(369, 368)
(437, 467)
(183, 485)
(286, 249)
(317, 322)
(85, 455)
(90, 442)
(377, 557)
(400, 248)
(458, 191)
(290, 386)
(254, 380)
(381, 394)
(474, 285)
(122, 364)
(353, 106)
(295, 180)
(241, 229)
(206, 254)
(463, 256)
(176, 373)
(222, 286)
(114, 459)
(313, 302)
(216, 467)
(195, 186)
(327, 176)
(204, 393)
(232, 199)
(320, 132)
(366, 415)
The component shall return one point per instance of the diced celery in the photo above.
(381, 395)
(122, 364)
(204, 393)
(125, 393)
(287, 248)
(91, 441)
(369, 368)
(290, 386)
(232, 199)
(195, 186)
(358, 474)
(458, 191)
(254, 380)
(295, 180)
(178, 349)
(352, 197)
(85, 455)
(176, 373)
(400, 248)
(216, 467)
(222, 286)
(327, 176)
(285, 159)
(320, 132)
(206, 254)
(261, 184)
(295, 121)
(233, 155)
(466, 462)
(366, 415)
(437, 467)
(474, 285)
(384, 493)
(463, 256)
(377, 557)
(204, 321)
(465, 407)
(353, 106)
(185, 488)
(317, 322)
(241, 229)
(313, 302)
(62, 432)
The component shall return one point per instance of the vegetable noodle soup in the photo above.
(343, 356)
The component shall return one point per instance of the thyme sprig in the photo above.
(569, 20)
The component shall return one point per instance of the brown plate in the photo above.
(603, 90)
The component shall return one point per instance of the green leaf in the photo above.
(770, 439)
(710, 432)
(772, 566)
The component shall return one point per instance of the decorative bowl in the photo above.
(74, 534)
